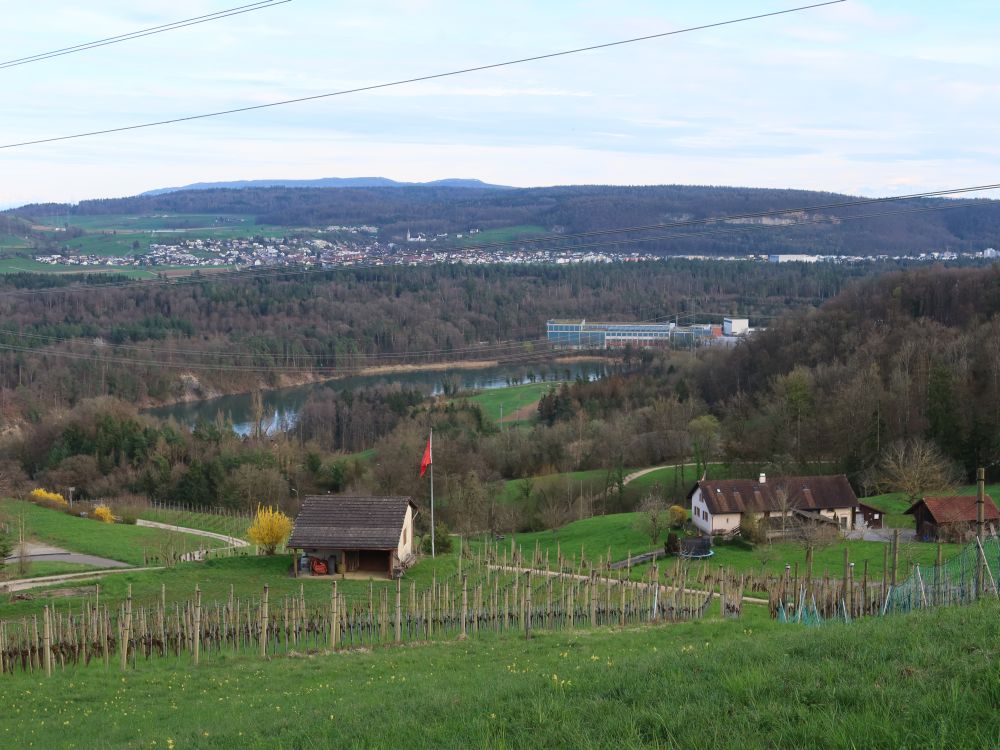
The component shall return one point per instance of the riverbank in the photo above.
(282, 404)
(194, 391)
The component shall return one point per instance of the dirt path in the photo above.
(24, 584)
(643, 472)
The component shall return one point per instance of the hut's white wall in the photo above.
(405, 546)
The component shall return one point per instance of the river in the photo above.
(284, 404)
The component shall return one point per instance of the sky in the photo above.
(872, 98)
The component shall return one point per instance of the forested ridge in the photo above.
(580, 208)
(135, 341)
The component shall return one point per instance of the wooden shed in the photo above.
(951, 517)
(372, 535)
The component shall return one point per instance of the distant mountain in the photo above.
(330, 182)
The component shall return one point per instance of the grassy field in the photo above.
(917, 681)
(114, 541)
(515, 400)
(595, 534)
(503, 234)
(160, 221)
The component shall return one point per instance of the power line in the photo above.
(143, 32)
(271, 273)
(418, 79)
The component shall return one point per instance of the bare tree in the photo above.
(915, 467)
(653, 518)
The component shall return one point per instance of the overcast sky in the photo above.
(863, 97)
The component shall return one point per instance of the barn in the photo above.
(952, 518)
(361, 535)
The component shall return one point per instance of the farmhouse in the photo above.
(372, 535)
(719, 505)
(950, 517)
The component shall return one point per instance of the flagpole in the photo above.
(431, 444)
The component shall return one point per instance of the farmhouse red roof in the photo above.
(956, 508)
(338, 522)
(803, 493)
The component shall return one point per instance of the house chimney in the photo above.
(762, 479)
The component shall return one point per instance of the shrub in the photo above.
(676, 516)
(270, 528)
(442, 539)
(103, 513)
(48, 499)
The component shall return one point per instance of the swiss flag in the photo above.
(426, 461)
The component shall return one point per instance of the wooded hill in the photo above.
(579, 208)
(241, 332)
(904, 355)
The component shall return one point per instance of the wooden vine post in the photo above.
(196, 643)
(263, 624)
(465, 609)
(47, 641)
(399, 611)
(127, 630)
(334, 617)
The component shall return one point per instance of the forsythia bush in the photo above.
(270, 528)
(44, 496)
(103, 513)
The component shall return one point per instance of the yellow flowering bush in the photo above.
(270, 528)
(103, 513)
(38, 495)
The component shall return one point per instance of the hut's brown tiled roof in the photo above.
(774, 494)
(335, 522)
(957, 508)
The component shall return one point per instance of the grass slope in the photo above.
(114, 541)
(513, 399)
(591, 480)
(924, 680)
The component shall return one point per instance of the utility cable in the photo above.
(143, 32)
(419, 79)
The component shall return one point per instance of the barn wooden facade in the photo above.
(951, 518)
(369, 535)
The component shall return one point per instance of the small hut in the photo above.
(372, 535)
(951, 518)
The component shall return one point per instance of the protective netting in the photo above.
(972, 574)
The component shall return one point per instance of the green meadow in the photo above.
(925, 680)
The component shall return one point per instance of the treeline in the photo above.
(153, 343)
(569, 209)
(906, 355)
